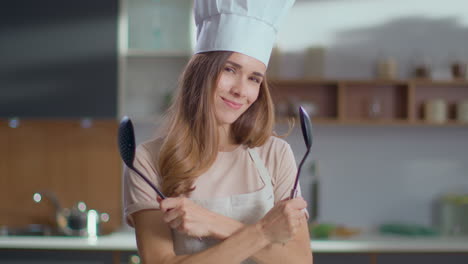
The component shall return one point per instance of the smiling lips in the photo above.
(231, 104)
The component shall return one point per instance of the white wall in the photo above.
(370, 175)
(356, 33)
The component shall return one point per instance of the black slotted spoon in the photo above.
(126, 141)
(306, 126)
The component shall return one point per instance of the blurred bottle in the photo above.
(314, 62)
(274, 65)
(315, 191)
(452, 214)
(375, 108)
(387, 69)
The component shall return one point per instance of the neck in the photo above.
(225, 141)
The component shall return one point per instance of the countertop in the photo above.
(125, 241)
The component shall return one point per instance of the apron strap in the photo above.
(262, 170)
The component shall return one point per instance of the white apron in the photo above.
(247, 208)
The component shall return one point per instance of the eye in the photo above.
(255, 79)
(229, 69)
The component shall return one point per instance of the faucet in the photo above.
(37, 197)
(59, 211)
(76, 221)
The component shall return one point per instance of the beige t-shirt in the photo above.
(232, 173)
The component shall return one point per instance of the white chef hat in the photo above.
(245, 26)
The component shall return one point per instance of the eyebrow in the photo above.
(237, 65)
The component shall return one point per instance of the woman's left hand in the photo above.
(187, 217)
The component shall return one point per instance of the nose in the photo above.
(239, 88)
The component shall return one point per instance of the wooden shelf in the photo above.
(368, 102)
(440, 83)
(286, 120)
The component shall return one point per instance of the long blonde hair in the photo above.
(190, 134)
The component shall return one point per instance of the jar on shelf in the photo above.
(421, 66)
(462, 112)
(458, 69)
(422, 71)
(435, 111)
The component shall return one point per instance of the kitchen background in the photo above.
(369, 173)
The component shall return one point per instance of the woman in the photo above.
(227, 176)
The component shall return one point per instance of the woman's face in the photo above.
(238, 87)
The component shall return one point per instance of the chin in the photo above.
(227, 119)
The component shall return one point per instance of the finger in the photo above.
(170, 203)
(298, 203)
(171, 215)
(299, 214)
(176, 223)
(299, 221)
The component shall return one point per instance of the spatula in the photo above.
(306, 127)
(127, 146)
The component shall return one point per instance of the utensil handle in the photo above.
(150, 183)
(293, 194)
(296, 182)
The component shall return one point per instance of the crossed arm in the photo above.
(279, 237)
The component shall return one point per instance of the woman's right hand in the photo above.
(281, 223)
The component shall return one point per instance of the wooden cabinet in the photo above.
(56, 257)
(391, 258)
(426, 258)
(369, 102)
(29, 256)
(78, 160)
(340, 258)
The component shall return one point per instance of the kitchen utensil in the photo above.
(306, 127)
(126, 142)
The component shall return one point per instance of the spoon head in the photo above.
(306, 127)
(126, 141)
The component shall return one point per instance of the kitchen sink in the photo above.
(30, 230)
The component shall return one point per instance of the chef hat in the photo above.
(245, 26)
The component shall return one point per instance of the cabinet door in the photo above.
(54, 257)
(340, 258)
(58, 58)
(426, 258)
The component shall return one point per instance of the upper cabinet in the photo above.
(155, 39)
(59, 59)
(158, 27)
